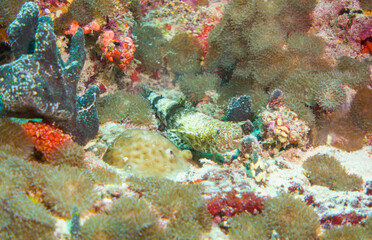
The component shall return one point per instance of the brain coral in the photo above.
(147, 153)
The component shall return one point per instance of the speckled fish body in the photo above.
(198, 131)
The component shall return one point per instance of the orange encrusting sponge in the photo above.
(45, 136)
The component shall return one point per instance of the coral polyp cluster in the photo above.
(283, 216)
(326, 171)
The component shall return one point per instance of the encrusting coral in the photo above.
(41, 84)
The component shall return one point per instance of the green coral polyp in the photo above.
(330, 95)
(289, 217)
(326, 171)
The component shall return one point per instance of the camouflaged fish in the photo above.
(194, 130)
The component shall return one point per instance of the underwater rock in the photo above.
(283, 127)
(276, 99)
(239, 109)
(40, 84)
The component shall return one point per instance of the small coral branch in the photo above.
(39, 84)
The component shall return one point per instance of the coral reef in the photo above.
(9, 10)
(269, 99)
(183, 54)
(195, 87)
(45, 137)
(283, 127)
(129, 218)
(23, 219)
(181, 204)
(288, 217)
(147, 153)
(150, 41)
(162, 212)
(327, 171)
(290, 58)
(14, 141)
(124, 106)
(361, 111)
(239, 109)
(66, 187)
(195, 130)
(45, 85)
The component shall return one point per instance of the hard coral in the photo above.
(45, 86)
